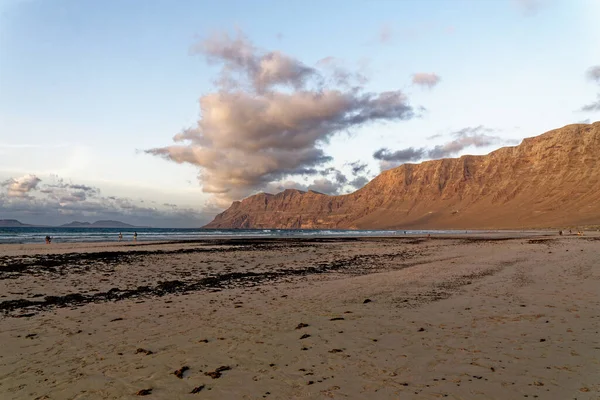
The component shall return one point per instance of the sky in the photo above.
(162, 113)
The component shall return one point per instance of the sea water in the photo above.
(70, 235)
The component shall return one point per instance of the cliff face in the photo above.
(547, 181)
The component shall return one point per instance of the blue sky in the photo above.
(87, 86)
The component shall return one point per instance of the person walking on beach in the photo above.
(120, 236)
(48, 239)
(135, 236)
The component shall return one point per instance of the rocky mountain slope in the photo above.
(551, 180)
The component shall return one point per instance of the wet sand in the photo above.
(500, 316)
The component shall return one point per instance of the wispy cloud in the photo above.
(426, 79)
(477, 137)
(529, 7)
(385, 34)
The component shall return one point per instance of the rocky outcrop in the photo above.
(550, 180)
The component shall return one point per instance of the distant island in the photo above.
(99, 224)
(13, 223)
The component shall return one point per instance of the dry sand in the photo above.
(456, 318)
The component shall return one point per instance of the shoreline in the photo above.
(158, 237)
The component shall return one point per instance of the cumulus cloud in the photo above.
(478, 136)
(426, 79)
(56, 201)
(22, 186)
(270, 117)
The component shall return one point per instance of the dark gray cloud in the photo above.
(270, 118)
(358, 167)
(32, 200)
(593, 106)
(400, 156)
(593, 74)
(325, 186)
(426, 79)
(332, 182)
(478, 136)
(359, 182)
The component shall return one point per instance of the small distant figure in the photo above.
(560, 233)
(120, 236)
(405, 232)
(135, 236)
(570, 232)
(429, 236)
(48, 239)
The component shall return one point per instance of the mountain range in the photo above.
(13, 223)
(550, 180)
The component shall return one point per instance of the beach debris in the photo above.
(203, 341)
(336, 351)
(144, 351)
(180, 371)
(542, 340)
(31, 336)
(217, 372)
(197, 389)
(538, 383)
(367, 301)
(301, 325)
(421, 329)
(305, 336)
(337, 319)
(310, 382)
(116, 319)
(144, 392)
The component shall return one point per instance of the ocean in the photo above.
(71, 235)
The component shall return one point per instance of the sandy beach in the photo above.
(502, 316)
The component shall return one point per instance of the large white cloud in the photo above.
(271, 116)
